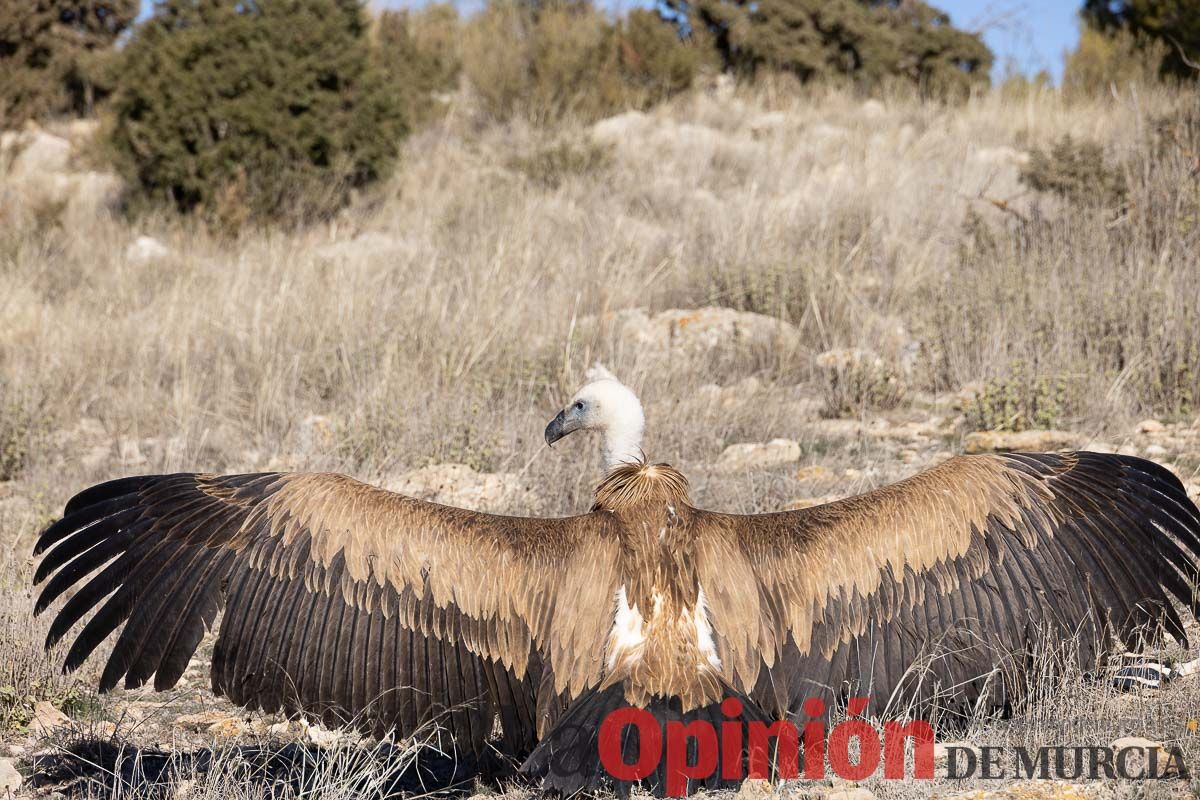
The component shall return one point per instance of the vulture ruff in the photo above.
(347, 602)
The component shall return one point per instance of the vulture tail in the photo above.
(677, 756)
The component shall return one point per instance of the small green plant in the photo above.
(552, 164)
(775, 289)
(1075, 171)
(1021, 400)
(854, 380)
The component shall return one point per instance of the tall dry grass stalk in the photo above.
(435, 325)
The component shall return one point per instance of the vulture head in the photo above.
(606, 405)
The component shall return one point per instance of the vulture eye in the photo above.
(579, 405)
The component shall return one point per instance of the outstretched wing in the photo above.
(340, 599)
(961, 568)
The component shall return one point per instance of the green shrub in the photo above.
(867, 41)
(421, 53)
(249, 111)
(52, 53)
(1018, 401)
(1075, 171)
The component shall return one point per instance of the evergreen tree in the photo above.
(1175, 23)
(863, 40)
(251, 109)
(48, 54)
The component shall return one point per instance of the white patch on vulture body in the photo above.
(627, 637)
(704, 638)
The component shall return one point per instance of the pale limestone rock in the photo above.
(754, 455)
(38, 154)
(813, 472)
(618, 129)
(754, 789)
(1022, 441)
(1140, 762)
(1150, 426)
(369, 245)
(768, 123)
(1154, 451)
(323, 737)
(872, 109)
(10, 778)
(459, 485)
(694, 332)
(146, 250)
(46, 718)
(848, 793)
(213, 723)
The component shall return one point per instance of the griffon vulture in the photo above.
(348, 602)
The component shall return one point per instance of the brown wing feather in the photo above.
(339, 598)
(961, 567)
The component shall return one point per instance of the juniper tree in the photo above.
(863, 40)
(49, 54)
(253, 109)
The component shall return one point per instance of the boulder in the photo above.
(38, 153)
(146, 249)
(614, 130)
(369, 245)
(10, 778)
(813, 472)
(752, 455)
(46, 718)
(1023, 441)
(37, 175)
(769, 122)
(848, 793)
(458, 485)
(872, 109)
(1151, 426)
(216, 723)
(1139, 762)
(694, 332)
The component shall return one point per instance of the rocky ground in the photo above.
(423, 344)
(826, 459)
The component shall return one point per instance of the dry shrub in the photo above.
(1102, 62)
(421, 52)
(1075, 171)
(655, 63)
(853, 381)
(23, 428)
(566, 59)
(28, 673)
(550, 164)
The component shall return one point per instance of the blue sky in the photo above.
(1030, 34)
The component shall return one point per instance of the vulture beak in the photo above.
(566, 422)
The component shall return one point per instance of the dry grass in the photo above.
(448, 318)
